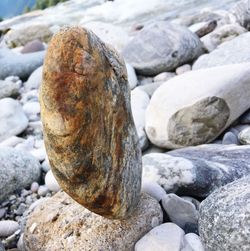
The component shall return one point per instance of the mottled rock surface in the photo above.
(197, 171)
(18, 170)
(62, 224)
(244, 136)
(198, 115)
(225, 218)
(89, 131)
(162, 46)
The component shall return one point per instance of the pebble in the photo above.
(181, 212)
(8, 227)
(182, 69)
(230, 138)
(43, 190)
(51, 182)
(167, 236)
(164, 76)
(153, 189)
(34, 187)
(194, 241)
(244, 136)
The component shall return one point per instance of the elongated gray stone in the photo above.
(197, 171)
(89, 131)
(198, 115)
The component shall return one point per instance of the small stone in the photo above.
(46, 165)
(32, 110)
(167, 236)
(21, 209)
(132, 78)
(2, 248)
(9, 88)
(180, 211)
(12, 118)
(182, 69)
(34, 80)
(101, 158)
(33, 46)
(2, 212)
(153, 189)
(194, 242)
(244, 136)
(164, 76)
(43, 190)
(8, 227)
(51, 182)
(206, 28)
(20, 244)
(230, 138)
(34, 187)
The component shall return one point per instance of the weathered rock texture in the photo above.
(61, 224)
(89, 131)
(225, 218)
(212, 100)
(197, 171)
(161, 47)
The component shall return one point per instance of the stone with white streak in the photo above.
(12, 118)
(197, 171)
(198, 115)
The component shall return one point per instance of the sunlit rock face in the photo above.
(89, 131)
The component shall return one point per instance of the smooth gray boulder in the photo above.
(231, 52)
(196, 107)
(18, 170)
(197, 171)
(225, 218)
(162, 46)
(21, 65)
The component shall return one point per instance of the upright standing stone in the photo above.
(89, 131)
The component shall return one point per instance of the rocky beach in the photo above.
(125, 125)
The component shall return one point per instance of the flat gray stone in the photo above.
(197, 171)
(162, 46)
(225, 218)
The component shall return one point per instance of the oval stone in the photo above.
(89, 131)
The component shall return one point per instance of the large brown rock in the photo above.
(89, 131)
(62, 224)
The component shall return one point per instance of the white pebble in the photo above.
(43, 190)
(194, 242)
(8, 227)
(34, 187)
(51, 182)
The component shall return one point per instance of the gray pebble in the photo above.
(8, 227)
(230, 138)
